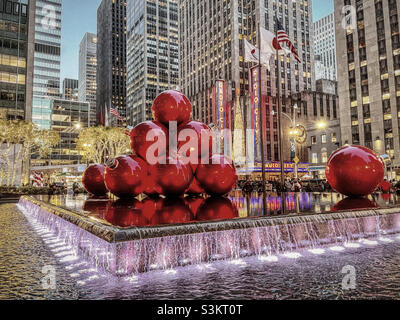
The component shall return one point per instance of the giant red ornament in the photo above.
(93, 180)
(126, 178)
(139, 135)
(218, 208)
(173, 178)
(354, 171)
(195, 187)
(202, 132)
(170, 106)
(218, 177)
(152, 188)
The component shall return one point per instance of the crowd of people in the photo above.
(299, 185)
(290, 185)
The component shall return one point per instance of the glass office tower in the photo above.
(47, 48)
(152, 54)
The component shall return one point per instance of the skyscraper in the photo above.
(87, 73)
(212, 48)
(16, 58)
(368, 46)
(325, 48)
(70, 89)
(46, 80)
(152, 54)
(111, 59)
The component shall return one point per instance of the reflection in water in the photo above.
(160, 211)
(354, 204)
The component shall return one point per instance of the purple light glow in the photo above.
(133, 257)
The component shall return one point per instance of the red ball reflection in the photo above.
(194, 204)
(170, 106)
(354, 171)
(354, 204)
(97, 207)
(140, 145)
(219, 177)
(126, 213)
(173, 178)
(200, 131)
(93, 180)
(217, 209)
(127, 177)
(174, 211)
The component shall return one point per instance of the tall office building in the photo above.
(67, 118)
(46, 80)
(325, 48)
(111, 59)
(70, 89)
(152, 54)
(87, 73)
(212, 48)
(369, 74)
(16, 58)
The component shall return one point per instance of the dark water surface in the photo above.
(318, 275)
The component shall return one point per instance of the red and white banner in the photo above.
(37, 178)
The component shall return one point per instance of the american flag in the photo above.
(284, 38)
(115, 113)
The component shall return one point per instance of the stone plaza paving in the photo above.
(23, 254)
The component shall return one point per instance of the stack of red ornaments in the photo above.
(172, 156)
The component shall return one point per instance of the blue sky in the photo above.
(80, 16)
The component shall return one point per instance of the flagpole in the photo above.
(278, 97)
(260, 111)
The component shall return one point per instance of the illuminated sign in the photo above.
(255, 107)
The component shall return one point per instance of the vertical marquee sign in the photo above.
(255, 105)
(219, 111)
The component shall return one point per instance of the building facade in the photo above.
(111, 59)
(152, 54)
(87, 73)
(325, 48)
(70, 89)
(323, 129)
(46, 74)
(369, 74)
(212, 48)
(67, 118)
(16, 58)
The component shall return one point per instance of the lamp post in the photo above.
(297, 133)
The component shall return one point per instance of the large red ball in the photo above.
(173, 178)
(354, 171)
(139, 143)
(219, 177)
(201, 132)
(126, 178)
(195, 187)
(170, 106)
(93, 180)
(152, 188)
